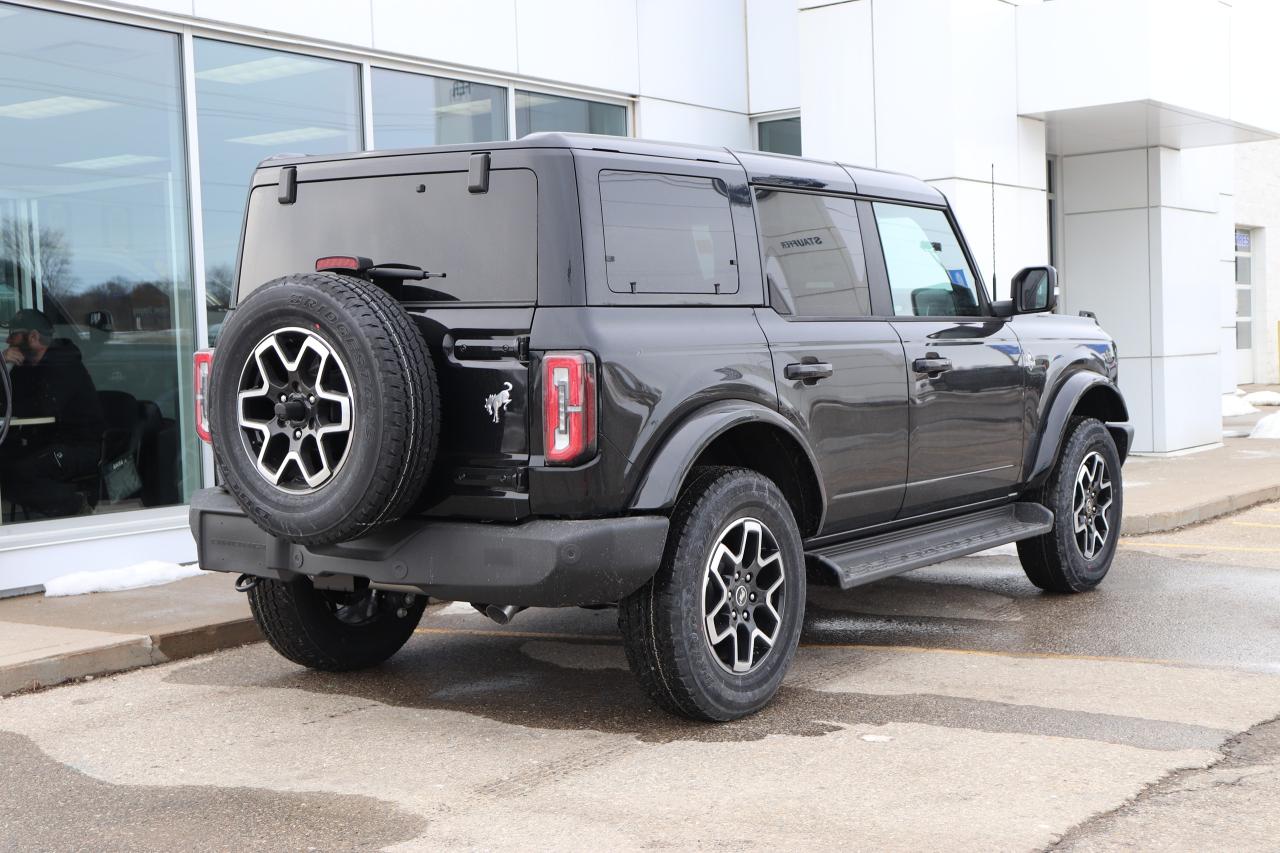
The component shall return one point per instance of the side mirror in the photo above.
(1034, 290)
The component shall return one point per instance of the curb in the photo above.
(1163, 522)
(129, 652)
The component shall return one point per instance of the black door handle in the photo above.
(808, 371)
(931, 365)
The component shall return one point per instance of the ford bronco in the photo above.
(684, 381)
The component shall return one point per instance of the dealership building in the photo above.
(1126, 141)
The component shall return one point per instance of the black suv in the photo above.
(581, 370)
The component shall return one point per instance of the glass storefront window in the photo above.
(413, 110)
(251, 103)
(781, 136)
(538, 112)
(96, 304)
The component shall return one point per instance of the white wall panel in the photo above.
(478, 33)
(346, 21)
(673, 122)
(1186, 403)
(1135, 385)
(695, 53)
(586, 42)
(1108, 273)
(837, 105)
(1117, 180)
(1187, 272)
(773, 58)
(177, 7)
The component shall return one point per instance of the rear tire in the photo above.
(333, 631)
(713, 649)
(1086, 494)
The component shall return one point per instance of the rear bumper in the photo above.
(537, 563)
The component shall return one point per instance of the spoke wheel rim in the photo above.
(294, 410)
(1093, 497)
(743, 593)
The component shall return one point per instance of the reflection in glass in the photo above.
(781, 136)
(538, 112)
(413, 110)
(96, 309)
(252, 103)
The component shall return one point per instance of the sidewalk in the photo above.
(46, 641)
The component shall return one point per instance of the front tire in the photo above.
(334, 631)
(1086, 494)
(712, 634)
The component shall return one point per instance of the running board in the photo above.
(865, 560)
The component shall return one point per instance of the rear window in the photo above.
(485, 243)
(667, 234)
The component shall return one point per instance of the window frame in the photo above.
(873, 285)
(979, 284)
(873, 252)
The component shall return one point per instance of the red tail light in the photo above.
(204, 368)
(569, 407)
(342, 262)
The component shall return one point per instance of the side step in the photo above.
(866, 560)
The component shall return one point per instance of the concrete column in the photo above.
(1142, 247)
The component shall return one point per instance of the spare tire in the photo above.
(324, 407)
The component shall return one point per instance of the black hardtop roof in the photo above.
(762, 167)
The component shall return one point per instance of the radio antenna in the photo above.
(995, 281)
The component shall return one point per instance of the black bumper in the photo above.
(539, 563)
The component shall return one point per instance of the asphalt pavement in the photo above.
(954, 708)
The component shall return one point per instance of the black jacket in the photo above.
(59, 386)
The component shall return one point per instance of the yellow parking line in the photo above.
(1200, 546)
(1256, 524)
(607, 638)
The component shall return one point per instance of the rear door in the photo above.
(963, 366)
(476, 319)
(839, 369)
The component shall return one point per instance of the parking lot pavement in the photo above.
(955, 707)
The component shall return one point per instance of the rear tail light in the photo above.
(204, 368)
(569, 407)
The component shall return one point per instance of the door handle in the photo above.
(931, 365)
(808, 372)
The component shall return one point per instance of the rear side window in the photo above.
(485, 243)
(928, 273)
(814, 262)
(667, 234)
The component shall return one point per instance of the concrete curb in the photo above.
(128, 652)
(1162, 522)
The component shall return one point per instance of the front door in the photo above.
(964, 367)
(839, 369)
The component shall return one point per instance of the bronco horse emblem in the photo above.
(496, 404)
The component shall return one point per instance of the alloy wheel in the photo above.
(742, 591)
(294, 410)
(1091, 505)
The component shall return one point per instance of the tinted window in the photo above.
(814, 263)
(252, 103)
(485, 243)
(928, 273)
(667, 234)
(538, 112)
(413, 110)
(781, 136)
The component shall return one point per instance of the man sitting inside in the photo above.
(38, 463)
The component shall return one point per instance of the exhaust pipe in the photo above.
(500, 613)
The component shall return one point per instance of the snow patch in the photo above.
(1263, 398)
(1233, 406)
(150, 573)
(1268, 427)
(457, 608)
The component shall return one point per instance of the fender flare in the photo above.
(1041, 456)
(672, 461)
